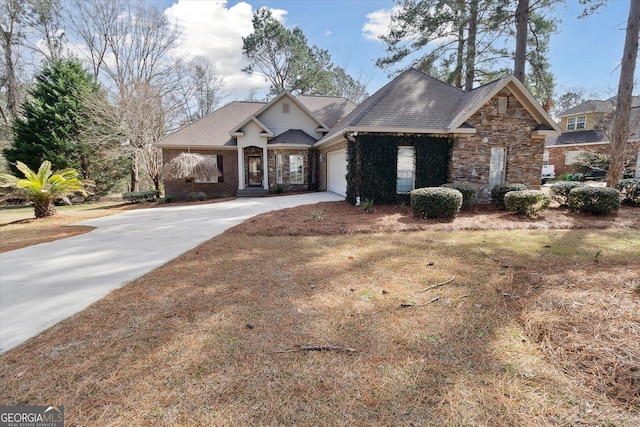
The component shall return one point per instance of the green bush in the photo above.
(140, 196)
(560, 190)
(436, 202)
(469, 192)
(526, 202)
(630, 189)
(196, 195)
(595, 200)
(498, 192)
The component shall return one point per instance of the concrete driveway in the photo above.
(43, 284)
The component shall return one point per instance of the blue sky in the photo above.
(585, 53)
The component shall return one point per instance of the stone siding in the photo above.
(286, 185)
(180, 188)
(512, 130)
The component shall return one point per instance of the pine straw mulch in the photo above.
(537, 328)
(338, 218)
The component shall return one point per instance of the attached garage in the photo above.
(337, 172)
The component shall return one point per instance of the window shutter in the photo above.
(219, 161)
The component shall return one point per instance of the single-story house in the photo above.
(414, 132)
(585, 129)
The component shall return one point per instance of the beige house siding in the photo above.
(278, 121)
(511, 130)
(592, 120)
(180, 188)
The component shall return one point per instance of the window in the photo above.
(406, 170)
(574, 123)
(210, 160)
(502, 104)
(296, 169)
(286, 108)
(278, 168)
(497, 166)
(545, 157)
(570, 157)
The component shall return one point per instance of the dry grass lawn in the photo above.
(538, 328)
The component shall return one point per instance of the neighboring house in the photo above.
(586, 129)
(414, 132)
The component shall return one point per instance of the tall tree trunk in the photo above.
(621, 132)
(461, 42)
(522, 22)
(471, 46)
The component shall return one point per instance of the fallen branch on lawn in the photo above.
(412, 304)
(485, 252)
(437, 285)
(317, 348)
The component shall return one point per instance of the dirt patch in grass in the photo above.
(539, 327)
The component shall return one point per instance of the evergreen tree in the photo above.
(52, 118)
(62, 121)
(467, 42)
(285, 58)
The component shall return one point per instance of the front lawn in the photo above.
(537, 328)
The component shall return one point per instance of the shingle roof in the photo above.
(417, 101)
(293, 136)
(329, 109)
(578, 137)
(212, 130)
(597, 106)
(411, 100)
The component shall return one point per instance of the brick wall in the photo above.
(180, 188)
(557, 154)
(511, 130)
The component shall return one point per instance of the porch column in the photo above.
(265, 168)
(240, 168)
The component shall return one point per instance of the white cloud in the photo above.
(212, 30)
(378, 23)
(327, 33)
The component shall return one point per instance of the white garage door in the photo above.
(337, 172)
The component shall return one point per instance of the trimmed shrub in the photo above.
(498, 192)
(140, 196)
(469, 192)
(196, 195)
(595, 200)
(560, 190)
(526, 202)
(436, 202)
(630, 189)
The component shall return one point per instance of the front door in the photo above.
(255, 171)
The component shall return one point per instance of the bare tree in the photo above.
(12, 33)
(44, 18)
(130, 48)
(200, 91)
(623, 100)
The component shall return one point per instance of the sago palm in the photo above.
(42, 188)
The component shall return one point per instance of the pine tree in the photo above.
(52, 119)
